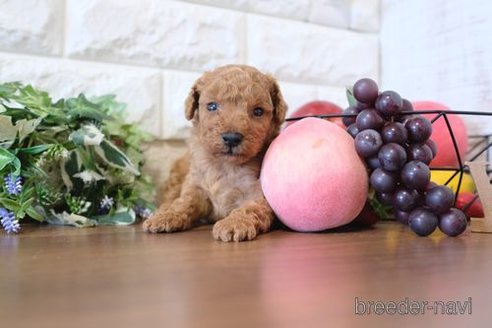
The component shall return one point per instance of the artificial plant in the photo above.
(74, 161)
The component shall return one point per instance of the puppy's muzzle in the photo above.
(232, 139)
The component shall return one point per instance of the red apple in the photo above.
(475, 210)
(318, 107)
(446, 155)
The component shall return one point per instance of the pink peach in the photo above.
(312, 176)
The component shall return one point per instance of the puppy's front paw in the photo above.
(166, 222)
(234, 229)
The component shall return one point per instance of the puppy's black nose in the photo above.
(232, 139)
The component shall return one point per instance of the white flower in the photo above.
(85, 207)
(89, 176)
(64, 154)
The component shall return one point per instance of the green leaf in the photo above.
(26, 127)
(87, 135)
(109, 104)
(350, 97)
(35, 149)
(7, 90)
(381, 210)
(7, 158)
(60, 104)
(17, 166)
(27, 204)
(87, 156)
(65, 218)
(80, 107)
(114, 157)
(27, 192)
(32, 213)
(69, 167)
(122, 216)
(29, 169)
(8, 131)
(10, 204)
(38, 102)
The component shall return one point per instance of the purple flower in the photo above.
(8, 221)
(106, 203)
(143, 212)
(13, 184)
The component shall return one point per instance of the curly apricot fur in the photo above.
(212, 181)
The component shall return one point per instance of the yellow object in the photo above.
(441, 176)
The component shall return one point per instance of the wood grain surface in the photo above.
(122, 277)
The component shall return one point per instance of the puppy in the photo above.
(236, 112)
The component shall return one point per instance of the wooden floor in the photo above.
(123, 277)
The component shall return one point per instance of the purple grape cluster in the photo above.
(397, 149)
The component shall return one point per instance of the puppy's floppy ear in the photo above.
(279, 104)
(191, 102)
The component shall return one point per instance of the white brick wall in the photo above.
(176, 88)
(149, 52)
(152, 32)
(139, 88)
(440, 50)
(310, 53)
(31, 26)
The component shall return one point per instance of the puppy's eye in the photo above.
(212, 106)
(258, 112)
